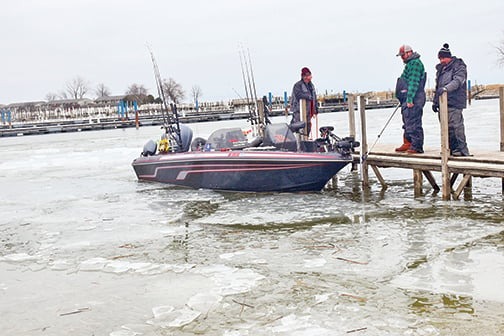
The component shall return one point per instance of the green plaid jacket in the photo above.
(413, 73)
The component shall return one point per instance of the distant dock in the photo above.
(154, 117)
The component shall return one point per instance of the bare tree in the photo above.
(173, 90)
(77, 88)
(138, 93)
(102, 91)
(62, 95)
(51, 96)
(196, 93)
(500, 53)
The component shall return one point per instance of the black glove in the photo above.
(440, 91)
(435, 107)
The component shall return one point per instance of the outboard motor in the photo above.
(149, 148)
(186, 135)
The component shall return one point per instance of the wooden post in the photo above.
(365, 170)
(351, 115)
(417, 182)
(303, 117)
(260, 108)
(445, 148)
(351, 122)
(501, 103)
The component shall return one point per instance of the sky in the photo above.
(348, 45)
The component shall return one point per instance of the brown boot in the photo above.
(405, 146)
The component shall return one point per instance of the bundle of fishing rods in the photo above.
(257, 122)
(171, 122)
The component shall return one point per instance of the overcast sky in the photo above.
(348, 45)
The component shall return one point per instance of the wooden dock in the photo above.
(479, 164)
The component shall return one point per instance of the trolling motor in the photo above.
(332, 142)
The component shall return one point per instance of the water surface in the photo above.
(86, 248)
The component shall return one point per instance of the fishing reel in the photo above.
(333, 143)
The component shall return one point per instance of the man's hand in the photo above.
(442, 90)
(410, 105)
(435, 107)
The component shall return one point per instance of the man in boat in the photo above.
(410, 90)
(451, 77)
(304, 89)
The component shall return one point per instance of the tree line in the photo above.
(78, 88)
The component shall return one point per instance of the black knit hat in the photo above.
(444, 52)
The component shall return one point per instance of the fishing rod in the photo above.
(252, 75)
(158, 87)
(253, 97)
(173, 132)
(237, 93)
(251, 117)
(364, 157)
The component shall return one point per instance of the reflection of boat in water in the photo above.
(226, 161)
(275, 161)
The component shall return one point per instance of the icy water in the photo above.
(86, 249)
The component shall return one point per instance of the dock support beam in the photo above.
(417, 181)
(351, 122)
(445, 148)
(364, 149)
(379, 177)
(501, 104)
(431, 179)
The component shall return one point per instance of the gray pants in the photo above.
(456, 131)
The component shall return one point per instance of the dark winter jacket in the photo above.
(453, 77)
(302, 90)
(410, 87)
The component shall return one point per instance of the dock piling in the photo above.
(351, 122)
(501, 105)
(445, 148)
(364, 149)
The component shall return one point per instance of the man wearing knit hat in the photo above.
(451, 77)
(410, 90)
(304, 89)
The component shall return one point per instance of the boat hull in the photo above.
(243, 171)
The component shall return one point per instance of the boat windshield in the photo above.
(227, 138)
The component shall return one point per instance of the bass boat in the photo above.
(279, 159)
(226, 161)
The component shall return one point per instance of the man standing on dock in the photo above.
(304, 89)
(410, 90)
(451, 77)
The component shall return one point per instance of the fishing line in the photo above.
(364, 157)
